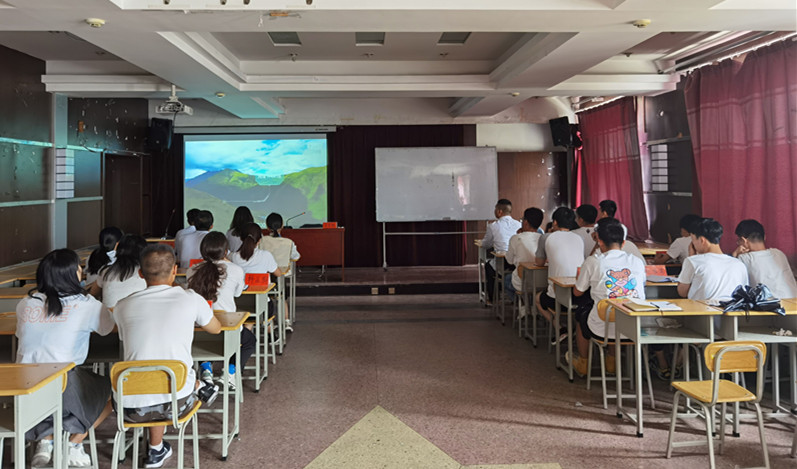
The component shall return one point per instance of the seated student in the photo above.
(121, 278)
(764, 265)
(189, 245)
(158, 324)
(564, 252)
(586, 215)
(54, 325)
(522, 248)
(220, 281)
(497, 239)
(607, 210)
(612, 273)
(190, 217)
(283, 250)
(250, 257)
(241, 217)
(103, 255)
(679, 249)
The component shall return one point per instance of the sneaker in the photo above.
(561, 337)
(207, 393)
(77, 456)
(43, 454)
(663, 374)
(155, 458)
(230, 381)
(522, 312)
(579, 364)
(206, 376)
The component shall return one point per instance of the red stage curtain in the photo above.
(744, 135)
(612, 169)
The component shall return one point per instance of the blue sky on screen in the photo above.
(273, 158)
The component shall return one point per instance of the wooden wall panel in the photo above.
(84, 222)
(25, 234)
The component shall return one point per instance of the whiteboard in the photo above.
(436, 183)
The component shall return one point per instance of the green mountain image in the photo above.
(233, 178)
(269, 181)
(312, 182)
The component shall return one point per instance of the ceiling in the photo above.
(517, 49)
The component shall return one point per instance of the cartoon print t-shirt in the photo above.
(613, 274)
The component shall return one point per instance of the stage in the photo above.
(393, 281)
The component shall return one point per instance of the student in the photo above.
(250, 257)
(522, 248)
(679, 249)
(564, 252)
(241, 217)
(103, 255)
(53, 326)
(121, 278)
(158, 324)
(220, 281)
(283, 250)
(190, 216)
(612, 273)
(608, 208)
(586, 215)
(497, 239)
(764, 265)
(189, 245)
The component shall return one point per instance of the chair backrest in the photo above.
(603, 310)
(147, 377)
(736, 357)
(280, 248)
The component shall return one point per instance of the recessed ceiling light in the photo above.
(369, 39)
(453, 39)
(285, 38)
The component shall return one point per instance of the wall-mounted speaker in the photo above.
(159, 137)
(560, 132)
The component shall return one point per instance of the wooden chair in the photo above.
(152, 377)
(723, 357)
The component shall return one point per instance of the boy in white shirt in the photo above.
(612, 273)
(158, 324)
(764, 265)
(189, 244)
(679, 249)
(586, 215)
(522, 248)
(497, 239)
(190, 217)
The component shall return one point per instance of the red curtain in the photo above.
(612, 169)
(743, 126)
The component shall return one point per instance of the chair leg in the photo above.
(723, 414)
(117, 447)
(603, 375)
(273, 346)
(93, 449)
(589, 366)
(195, 438)
(673, 418)
(181, 447)
(646, 360)
(136, 437)
(709, 411)
(763, 439)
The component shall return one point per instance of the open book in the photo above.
(642, 305)
(661, 279)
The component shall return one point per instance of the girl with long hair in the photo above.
(241, 217)
(121, 278)
(105, 254)
(54, 323)
(250, 257)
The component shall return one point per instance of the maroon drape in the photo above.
(743, 125)
(612, 169)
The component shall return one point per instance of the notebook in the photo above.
(642, 305)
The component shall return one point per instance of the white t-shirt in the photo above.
(283, 250)
(565, 253)
(158, 324)
(771, 268)
(91, 278)
(233, 241)
(522, 248)
(632, 249)
(499, 232)
(679, 249)
(586, 236)
(712, 276)
(114, 289)
(63, 338)
(189, 248)
(261, 262)
(178, 237)
(613, 274)
(232, 285)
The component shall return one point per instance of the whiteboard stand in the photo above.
(412, 233)
(384, 246)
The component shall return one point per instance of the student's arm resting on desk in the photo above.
(487, 241)
(204, 315)
(685, 278)
(590, 265)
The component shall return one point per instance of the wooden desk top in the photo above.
(531, 266)
(231, 321)
(688, 308)
(181, 271)
(259, 289)
(14, 293)
(8, 323)
(651, 248)
(18, 379)
(501, 254)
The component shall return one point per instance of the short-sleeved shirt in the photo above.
(233, 241)
(586, 236)
(522, 248)
(499, 232)
(679, 249)
(114, 289)
(178, 237)
(261, 262)
(232, 285)
(158, 324)
(62, 338)
(631, 248)
(612, 274)
(564, 251)
(189, 247)
(712, 276)
(771, 268)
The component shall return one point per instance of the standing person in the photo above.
(586, 215)
(764, 265)
(121, 278)
(240, 218)
(158, 324)
(189, 246)
(54, 325)
(103, 255)
(679, 249)
(190, 217)
(522, 248)
(497, 239)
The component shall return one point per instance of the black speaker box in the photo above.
(560, 132)
(159, 137)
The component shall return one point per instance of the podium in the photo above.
(318, 246)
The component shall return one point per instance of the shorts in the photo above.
(154, 413)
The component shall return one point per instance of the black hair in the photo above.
(250, 236)
(565, 218)
(128, 258)
(203, 220)
(56, 278)
(689, 221)
(274, 223)
(610, 231)
(99, 258)
(710, 229)
(209, 275)
(156, 262)
(548, 226)
(533, 216)
(750, 229)
(504, 205)
(241, 217)
(191, 215)
(609, 207)
(587, 212)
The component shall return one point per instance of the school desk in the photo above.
(260, 295)
(649, 249)
(36, 391)
(534, 278)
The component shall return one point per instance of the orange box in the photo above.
(330, 224)
(194, 262)
(257, 279)
(659, 270)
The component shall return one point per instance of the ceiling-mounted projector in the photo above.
(173, 105)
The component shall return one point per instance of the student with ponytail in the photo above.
(103, 255)
(250, 257)
(54, 324)
(121, 278)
